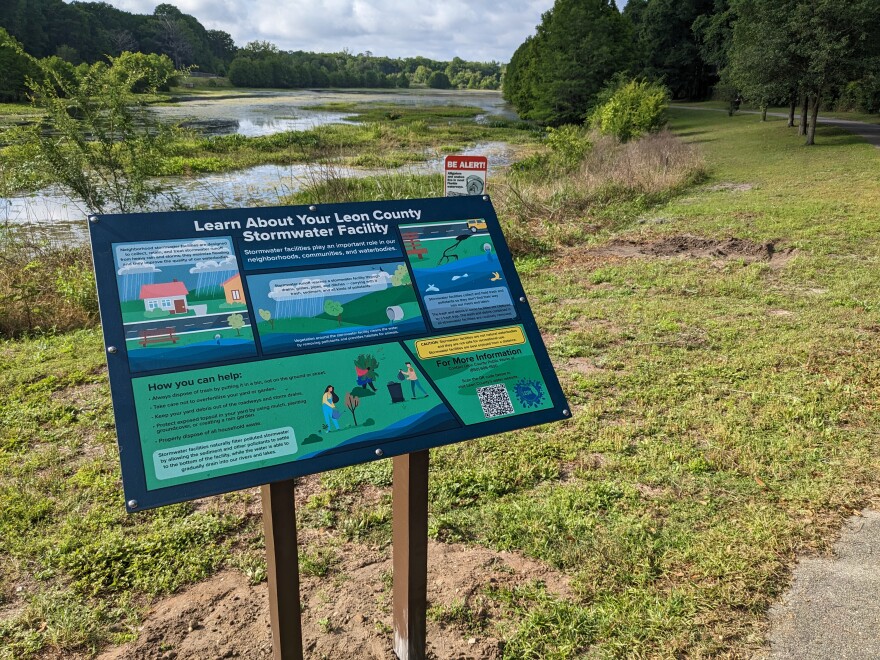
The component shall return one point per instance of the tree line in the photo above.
(90, 31)
(810, 53)
(261, 64)
(79, 33)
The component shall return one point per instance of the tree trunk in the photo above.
(802, 127)
(814, 116)
(763, 113)
(792, 107)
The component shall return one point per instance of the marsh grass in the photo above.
(390, 137)
(549, 201)
(327, 184)
(43, 287)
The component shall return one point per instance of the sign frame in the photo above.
(107, 230)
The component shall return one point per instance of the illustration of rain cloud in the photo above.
(214, 266)
(138, 269)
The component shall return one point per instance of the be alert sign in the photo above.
(465, 175)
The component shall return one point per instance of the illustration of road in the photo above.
(187, 324)
(453, 229)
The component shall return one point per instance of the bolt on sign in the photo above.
(465, 175)
(251, 346)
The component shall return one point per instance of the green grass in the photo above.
(870, 118)
(725, 423)
(79, 568)
(17, 110)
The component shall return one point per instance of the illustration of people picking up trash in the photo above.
(413, 379)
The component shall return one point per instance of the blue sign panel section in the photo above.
(254, 345)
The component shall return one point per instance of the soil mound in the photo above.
(346, 614)
(697, 247)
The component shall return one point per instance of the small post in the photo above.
(282, 567)
(410, 554)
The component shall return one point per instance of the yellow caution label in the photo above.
(469, 342)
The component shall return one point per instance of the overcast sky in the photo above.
(440, 29)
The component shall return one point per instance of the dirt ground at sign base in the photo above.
(346, 614)
(697, 247)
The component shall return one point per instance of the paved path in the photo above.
(832, 610)
(870, 132)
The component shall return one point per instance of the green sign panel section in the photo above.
(206, 423)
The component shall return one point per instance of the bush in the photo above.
(98, 142)
(439, 80)
(569, 144)
(44, 288)
(631, 109)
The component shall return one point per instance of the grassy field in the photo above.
(725, 421)
(823, 112)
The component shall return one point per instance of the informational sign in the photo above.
(465, 175)
(254, 345)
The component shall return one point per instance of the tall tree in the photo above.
(838, 40)
(782, 47)
(762, 62)
(668, 48)
(579, 45)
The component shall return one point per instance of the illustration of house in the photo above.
(233, 290)
(170, 296)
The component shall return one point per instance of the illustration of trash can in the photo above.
(396, 392)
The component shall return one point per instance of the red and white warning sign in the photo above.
(465, 175)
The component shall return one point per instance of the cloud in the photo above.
(396, 28)
(212, 266)
(138, 269)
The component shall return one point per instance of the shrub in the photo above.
(631, 109)
(44, 288)
(439, 80)
(569, 144)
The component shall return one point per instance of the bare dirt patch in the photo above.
(729, 186)
(345, 615)
(696, 247)
(584, 366)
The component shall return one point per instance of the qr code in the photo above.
(495, 400)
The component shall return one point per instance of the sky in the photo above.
(475, 30)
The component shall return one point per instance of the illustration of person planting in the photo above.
(413, 379)
(328, 405)
(365, 368)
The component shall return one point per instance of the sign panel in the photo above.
(465, 175)
(254, 345)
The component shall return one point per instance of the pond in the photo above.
(51, 215)
(255, 113)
